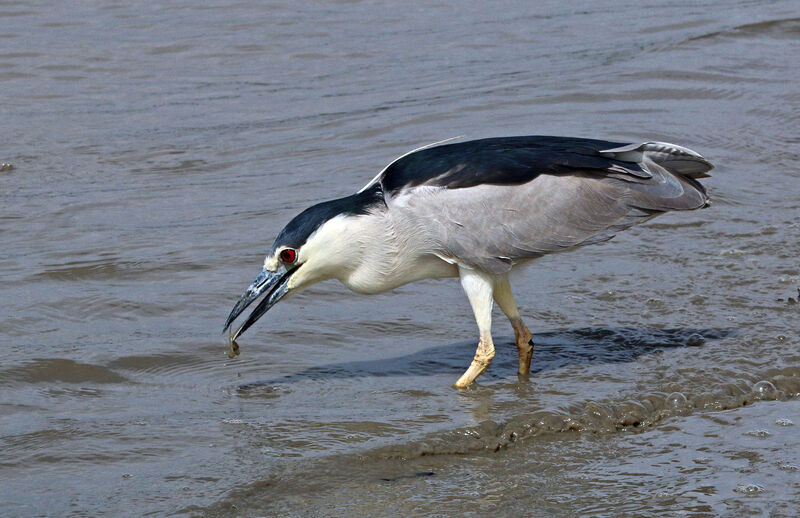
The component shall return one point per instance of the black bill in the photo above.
(274, 284)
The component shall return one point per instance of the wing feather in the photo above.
(517, 160)
(503, 161)
(493, 227)
(492, 203)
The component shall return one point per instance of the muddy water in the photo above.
(156, 152)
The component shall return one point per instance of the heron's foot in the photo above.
(476, 368)
(483, 357)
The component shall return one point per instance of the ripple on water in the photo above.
(49, 370)
(168, 364)
(639, 473)
(115, 269)
(597, 417)
(110, 227)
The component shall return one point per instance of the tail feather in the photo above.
(675, 170)
(675, 159)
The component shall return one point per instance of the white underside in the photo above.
(393, 253)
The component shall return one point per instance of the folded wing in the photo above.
(495, 202)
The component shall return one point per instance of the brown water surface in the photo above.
(158, 149)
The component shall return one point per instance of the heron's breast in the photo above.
(382, 276)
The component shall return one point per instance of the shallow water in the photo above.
(740, 462)
(157, 151)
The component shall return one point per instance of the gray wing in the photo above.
(492, 226)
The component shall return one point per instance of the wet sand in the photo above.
(157, 151)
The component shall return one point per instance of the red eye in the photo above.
(288, 255)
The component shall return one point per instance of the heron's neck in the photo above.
(391, 252)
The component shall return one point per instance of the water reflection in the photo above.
(553, 350)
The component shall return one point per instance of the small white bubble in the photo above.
(732, 251)
(758, 433)
(750, 489)
(677, 400)
(765, 390)
(784, 422)
(229, 420)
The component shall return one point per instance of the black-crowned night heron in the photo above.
(476, 210)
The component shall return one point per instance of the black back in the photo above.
(502, 161)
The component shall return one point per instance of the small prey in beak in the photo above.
(274, 284)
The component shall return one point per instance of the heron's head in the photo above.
(316, 245)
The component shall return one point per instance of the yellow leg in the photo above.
(522, 335)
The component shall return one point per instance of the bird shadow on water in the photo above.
(553, 350)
